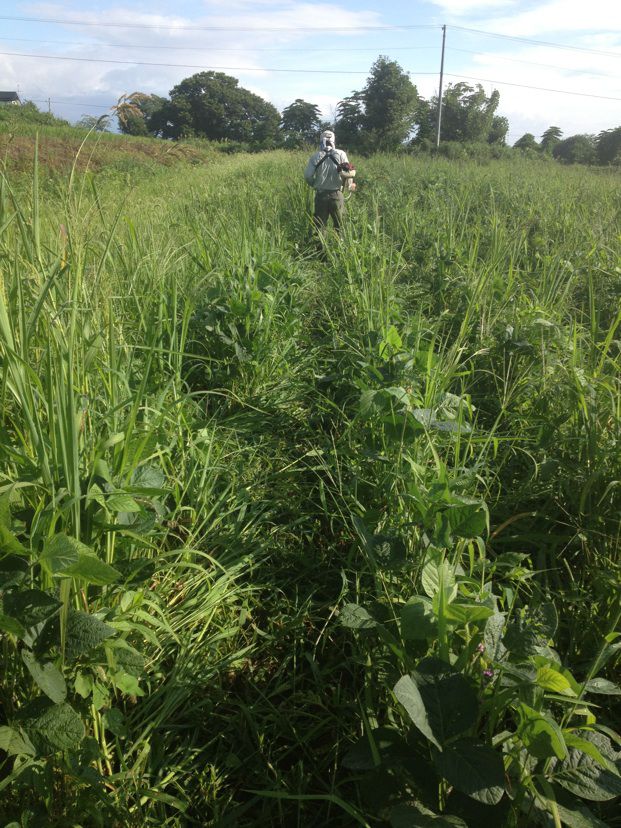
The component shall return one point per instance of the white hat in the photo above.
(327, 139)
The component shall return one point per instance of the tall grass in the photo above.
(231, 421)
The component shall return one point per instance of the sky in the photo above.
(535, 52)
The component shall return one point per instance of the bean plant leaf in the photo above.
(474, 769)
(418, 621)
(540, 734)
(61, 552)
(550, 679)
(467, 613)
(433, 573)
(450, 701)
(495, 650)
(413, 816)
(409, 695)
(585, 777)
(84, 633)
(13, 570)
(114, 721)
(46, 676)
(9, 543)
(30, 606)
(356, 617)
(374, 747)
(92, 570)
(60, 726)
(11, 625)
(603, 687)
(577, 816)
(15, 743)
(122, 502)
(468, 520)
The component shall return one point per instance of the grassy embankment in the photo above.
(266, 454)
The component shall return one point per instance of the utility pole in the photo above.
(439, 121)
(49, 106)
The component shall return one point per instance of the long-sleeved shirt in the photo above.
(324, 176)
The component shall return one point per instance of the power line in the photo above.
(201, 66)
(537, 42)
(305, 71)
(533, 63)
(391, 27)
(538, 88)
(221, 28)
(217, 48)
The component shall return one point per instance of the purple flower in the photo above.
(481, 647)
(488, 674)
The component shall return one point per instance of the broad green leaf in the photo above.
(83, 684)
(575, 741)
(474, 769)
(540, 735)
(449, 699)
(418, 622)
(467, 520)
(114, 721)
(11, 625)
(577, 816)
(9, 544)
(61, 552)
(356, 617)
(13, 570)
(15, 743)
(467, 613)
(408, 694)
(495, 650)
(122, 502)
(584, 776)
(603, 687)
(30, 606)
(84, 633)
(61, 726)
(372, 748)
(414, 816)
(433, 573)
(124, 657)
(127, 684)
(555, 682)
(389, 552)
(46, 676)
(90, 569)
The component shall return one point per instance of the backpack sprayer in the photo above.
(348, 173)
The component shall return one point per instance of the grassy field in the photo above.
(310, 536)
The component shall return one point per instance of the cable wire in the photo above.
(538, 88)
(200, 66)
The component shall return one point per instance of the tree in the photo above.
(550, 138)
(300, 123)
(469, 115)
(609, 147)
(526, 142)
(350, 121)
(577, 149)
(134, 111)
(212, 105)
(101, 124)
(390, 102)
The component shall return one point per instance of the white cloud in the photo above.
(560, 16)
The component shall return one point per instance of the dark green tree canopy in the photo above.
(135, 111)
(383, 115)
(527, 142)
(212, 105)
(550, 138)
(609, 147)
(300, 123)
(577, 149)
(390, 102)
(469, 115)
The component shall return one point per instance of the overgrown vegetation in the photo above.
(299, 536)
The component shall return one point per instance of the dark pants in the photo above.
(328, 203)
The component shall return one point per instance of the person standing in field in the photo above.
(324, 174)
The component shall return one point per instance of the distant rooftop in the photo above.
(8, 97)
